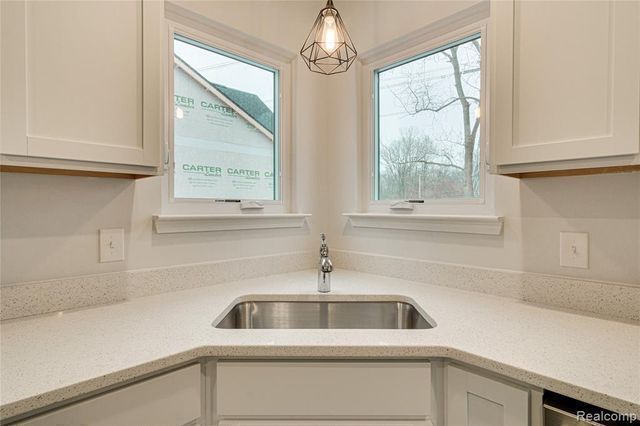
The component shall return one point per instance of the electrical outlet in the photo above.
(574, 249)
(111, 245)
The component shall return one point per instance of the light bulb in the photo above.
(478, 112)
(179, 113)
(329, 30)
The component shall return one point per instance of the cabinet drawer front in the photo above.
(323, 388)
(171, 399)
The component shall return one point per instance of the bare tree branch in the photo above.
(476, 44)
(433, 163)
(474, 131)
(469, 142)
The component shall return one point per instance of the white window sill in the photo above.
(465, 224)
(169, 224)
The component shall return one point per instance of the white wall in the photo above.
(535, 210)
(50, 223)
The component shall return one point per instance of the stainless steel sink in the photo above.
(324, 314)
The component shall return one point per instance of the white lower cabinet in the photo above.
(474, 400)
(308, 393)
(322, 393)
(172, 399)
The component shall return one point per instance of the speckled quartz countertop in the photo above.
(51, 358)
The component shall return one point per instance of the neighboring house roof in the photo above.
(248, 104)
(251, 104)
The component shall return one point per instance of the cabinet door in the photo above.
(474, 400)
(565, 80)
(172, 399)
(81, 80)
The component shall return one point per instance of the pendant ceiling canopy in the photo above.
(328, 48)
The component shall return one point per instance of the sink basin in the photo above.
(324, 315)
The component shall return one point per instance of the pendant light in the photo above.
(328, 48)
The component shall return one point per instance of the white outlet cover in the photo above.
(574, 249)
(111, 245)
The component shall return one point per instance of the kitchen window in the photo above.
(228, 126)
(425, 126)
(225, 137)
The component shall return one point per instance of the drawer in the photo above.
(323, 389)
(171, 399)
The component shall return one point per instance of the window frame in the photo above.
(402, 52)
(252, 52)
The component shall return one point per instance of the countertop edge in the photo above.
(71, 392)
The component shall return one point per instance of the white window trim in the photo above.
(403, 49)
(465, 224)
(171, 224)
(189, 24)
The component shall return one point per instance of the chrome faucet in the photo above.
(325, 267)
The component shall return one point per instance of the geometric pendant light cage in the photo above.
(328, 48)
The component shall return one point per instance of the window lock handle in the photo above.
(402, 205)
(251, 205)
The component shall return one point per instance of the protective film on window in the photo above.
(225, 142)
(427, 125)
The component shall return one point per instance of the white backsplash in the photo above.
(40, 297)
(612, 300)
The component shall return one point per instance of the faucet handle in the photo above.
(326, 266)
(324, 250)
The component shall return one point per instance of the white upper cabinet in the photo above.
(82, 81)
(565, 84)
